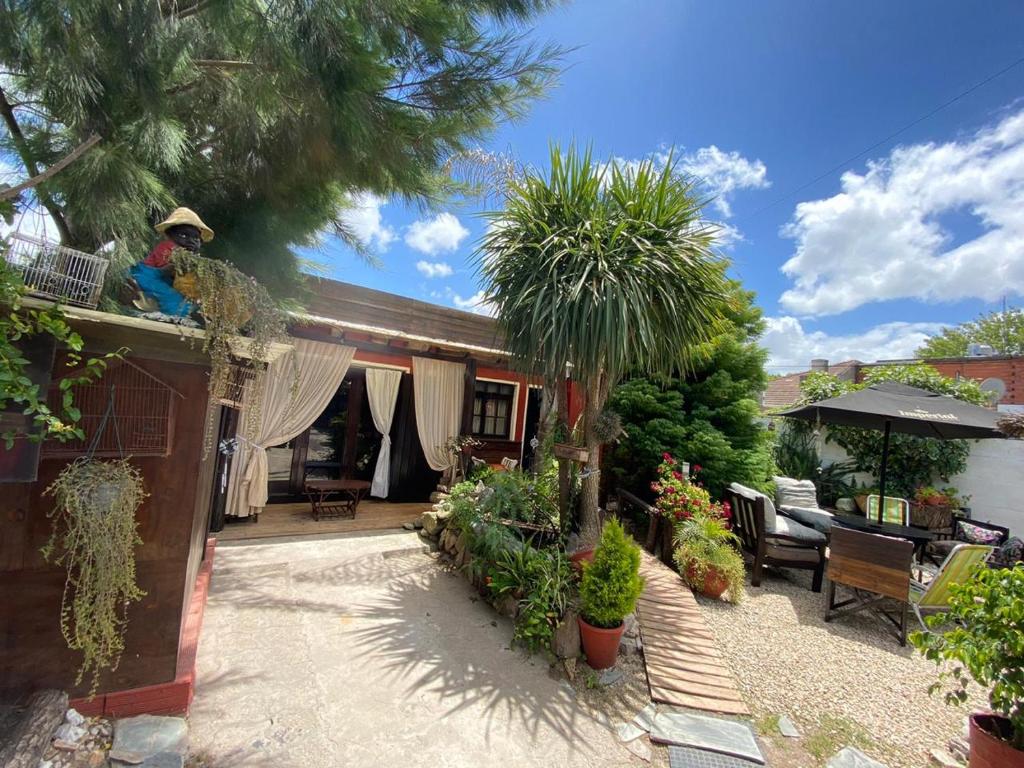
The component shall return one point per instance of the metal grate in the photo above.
(143, 413)
(57, 272)
(691, 757)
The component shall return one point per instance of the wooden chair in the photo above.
(876, 568)
(895, 510)
(776, 549)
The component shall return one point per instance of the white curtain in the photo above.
(438, 390)
(382, 392)
(297, 388)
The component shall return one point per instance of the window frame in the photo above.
(511, 398)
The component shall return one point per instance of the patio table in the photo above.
(918, 536)
(335, 498)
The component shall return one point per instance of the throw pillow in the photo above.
(1011, 553)
(975, 534)
(795, 493)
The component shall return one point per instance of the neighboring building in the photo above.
(1003, 375)
(785, 390)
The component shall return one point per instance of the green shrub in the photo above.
(611, 583)
(986, 643)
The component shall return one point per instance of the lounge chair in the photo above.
(933, 597)
(896, 510)
(773, 539)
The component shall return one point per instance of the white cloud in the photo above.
(721, 173)
(474, 304)
(365, 220)
(791, 346)
(882, 237)
(434, 268)
(442, 233)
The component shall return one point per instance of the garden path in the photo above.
(684, 665)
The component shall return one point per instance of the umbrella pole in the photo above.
(881, 474)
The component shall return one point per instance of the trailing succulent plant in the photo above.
(1011, 424)
(94, 537)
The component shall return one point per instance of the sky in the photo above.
(758, 100)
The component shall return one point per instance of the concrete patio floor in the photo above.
(361, 651)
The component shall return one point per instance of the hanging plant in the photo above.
(232, 304)
(94, 538)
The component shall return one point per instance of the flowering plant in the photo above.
(680, 499)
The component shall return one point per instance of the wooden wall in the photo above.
(172, 525)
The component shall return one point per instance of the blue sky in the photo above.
(760, 98)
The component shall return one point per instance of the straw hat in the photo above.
(185, 216)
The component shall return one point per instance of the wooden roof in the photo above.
(365, 308)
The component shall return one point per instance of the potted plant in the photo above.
(986, 643)
(609, 590)
(707, 556)
(933, 508)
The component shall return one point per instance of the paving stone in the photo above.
(610, 676)
(709, 733)
(627, 732)
(943, 759)
(851, 757)
(164, 760)
(73, 717)
(137, 739)
(690, 757)
(69, 733)
(645, 717)
(787, 728)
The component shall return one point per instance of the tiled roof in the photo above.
(785, 390)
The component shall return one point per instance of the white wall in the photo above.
(994, 479)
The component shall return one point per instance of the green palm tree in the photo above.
(608, 268)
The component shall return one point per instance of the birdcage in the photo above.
(55, 271)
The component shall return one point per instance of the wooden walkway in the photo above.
(684, 667)
(297, 520)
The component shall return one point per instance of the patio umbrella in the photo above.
(889, 406)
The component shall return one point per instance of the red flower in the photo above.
(667, 456)
(677, 474)
(697, 468)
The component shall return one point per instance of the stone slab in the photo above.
(645, 717)
(137, 739)
(851, 757)
(727, 737)
(627, 732)
(787, 728)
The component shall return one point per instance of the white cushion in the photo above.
(795, 493)
(770, 515)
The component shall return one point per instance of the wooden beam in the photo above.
(469, 397)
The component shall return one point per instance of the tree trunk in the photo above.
(590, 523)
(562, 424)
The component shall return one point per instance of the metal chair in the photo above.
(895, 510)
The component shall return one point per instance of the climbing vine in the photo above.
(94, 537)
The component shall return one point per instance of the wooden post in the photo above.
(469, 397)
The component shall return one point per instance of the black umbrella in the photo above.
(889, 406)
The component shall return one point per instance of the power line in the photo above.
(877, 144)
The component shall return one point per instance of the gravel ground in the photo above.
(789, 661)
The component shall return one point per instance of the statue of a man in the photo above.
(155, 274)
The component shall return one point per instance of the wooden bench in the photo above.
(335, 498)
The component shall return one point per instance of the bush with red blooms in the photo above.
(679, 498)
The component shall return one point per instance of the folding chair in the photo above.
(895, 510)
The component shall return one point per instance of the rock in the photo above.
(570, 667)
(943, 759)
(433, 522)
(630, 646)
(640, 748)
(631, 627)
(45, 764)
(627, 732)
(74, 718)
(565, 642)
(851, 757)
(645, 717)
(787, 728)
(65, 746)
(139, 739)
(610, 677)
(97, 759)
(409, 526)
(70, 733)
(507, 605)
(960, 748)
(26, 742)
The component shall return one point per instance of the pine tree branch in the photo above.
(191, 10)
(222, 64)
(25, 153)
(53, 170)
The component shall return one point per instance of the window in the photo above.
(492, 409)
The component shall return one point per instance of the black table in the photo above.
(335, 498)
(919, 536)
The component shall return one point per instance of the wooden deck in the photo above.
(297, 520)
(684, 667)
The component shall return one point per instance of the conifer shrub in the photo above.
(611, 583)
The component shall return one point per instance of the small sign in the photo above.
(570, 452)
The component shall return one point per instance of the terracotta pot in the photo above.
(577, 558)
(715, 584)
(600, 645)
(988, 750)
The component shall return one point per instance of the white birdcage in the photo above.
(55, 271)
